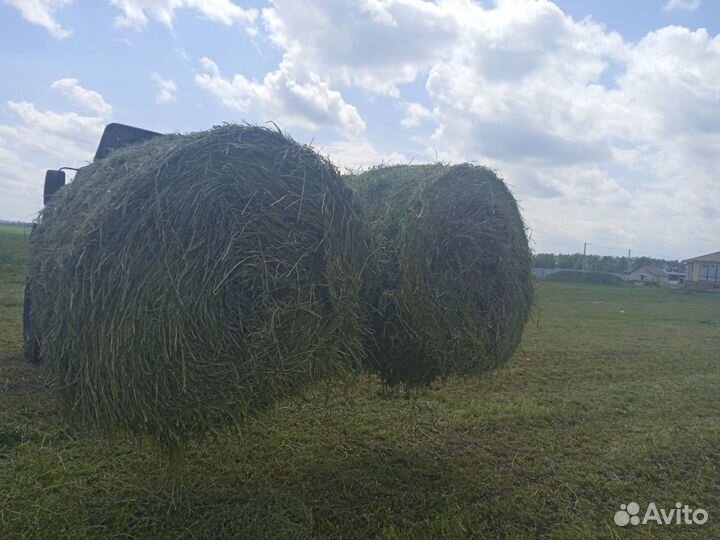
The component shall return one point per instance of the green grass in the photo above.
(13, 249)
(13, 259)
(612, 398)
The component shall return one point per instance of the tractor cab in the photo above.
(114, 136)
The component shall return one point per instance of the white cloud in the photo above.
(308, 102)
(373, 44)
(603, 139)
(689, 5)
(36, 140)
(166, 89)
(67, 124)
(47, 139)
(89, 99)
(41, 12)
(415, 114)
(20, 187)
(136, 13)
(360, 154)
(617, 138)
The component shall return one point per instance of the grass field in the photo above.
(612, 398)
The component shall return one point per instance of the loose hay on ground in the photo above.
(451, 288)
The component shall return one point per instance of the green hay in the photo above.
(450, 289)
(188, 282)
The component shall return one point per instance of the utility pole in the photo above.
(629, 268)
(584, 262)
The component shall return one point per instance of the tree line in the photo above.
(602, 263)
(15, 223)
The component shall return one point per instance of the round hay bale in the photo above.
(451, 289)
(187, 282)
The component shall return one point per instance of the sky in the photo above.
(603, 117)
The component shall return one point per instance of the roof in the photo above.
(652, 270)
(710, 257)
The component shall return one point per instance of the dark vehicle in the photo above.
(114, 136)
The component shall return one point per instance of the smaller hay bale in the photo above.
(185, 283)
(449, 285)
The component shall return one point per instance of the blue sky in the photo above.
(602, 116)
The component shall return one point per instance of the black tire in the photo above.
(30, 340)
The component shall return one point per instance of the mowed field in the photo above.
(612, 398)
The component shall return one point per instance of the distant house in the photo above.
(676, 278)
(650, 275)
(703, 272)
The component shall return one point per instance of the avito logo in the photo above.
(629, 514)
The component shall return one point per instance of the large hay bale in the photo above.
(189, 281)
(451, 288)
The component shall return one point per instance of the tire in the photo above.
(30, 340)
